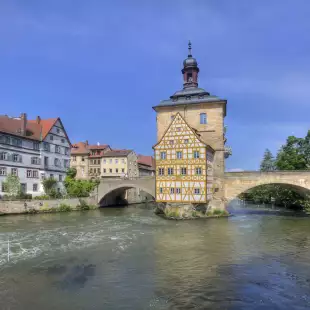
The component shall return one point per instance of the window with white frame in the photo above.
(161, 171)
(170, 171)
(46, 146)
(183, 171)
(203, 118)
(57, 149)
(35, 187)
(14, 171)
(162, 155)
(178, 190)
(67, 150)
(29, 173)
(198, 170)
(17, 158)
(57, 162)
(116, 161)
(110, 161)
(35, 160)
(2, 170)
(104, 161)
(36, 146)
(3, 156)
(196, 154)
(179, 154)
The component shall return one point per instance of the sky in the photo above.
(101, 66)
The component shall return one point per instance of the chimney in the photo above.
(38, 119)
(23, 118)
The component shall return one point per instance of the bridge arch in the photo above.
(112, 189)
(238, 183)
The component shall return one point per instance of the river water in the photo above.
(131, 259)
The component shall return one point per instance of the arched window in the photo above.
(203, 118)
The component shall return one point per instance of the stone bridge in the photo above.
(113, 185)
(234, 183)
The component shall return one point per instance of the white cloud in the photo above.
(235, 170)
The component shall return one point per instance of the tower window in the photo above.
(203, 118)
(189, 77)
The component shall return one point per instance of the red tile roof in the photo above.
(35, 130)
(85, 148)
(117, 153)
(146, 160)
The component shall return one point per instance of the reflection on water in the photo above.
(130, 259)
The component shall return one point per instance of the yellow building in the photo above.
(181, 165)
(191, 115)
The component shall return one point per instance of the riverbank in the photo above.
(11, 207)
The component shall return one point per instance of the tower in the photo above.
(204, 115)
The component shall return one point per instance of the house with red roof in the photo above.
(33, 150)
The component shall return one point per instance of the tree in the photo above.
(292, 155)
(49, 185)
(268, 162)
(71, 172)
(12, 185)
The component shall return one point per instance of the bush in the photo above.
(64, 208)
(217, 212)
(42, 197)
(49, 186)
(83, 205)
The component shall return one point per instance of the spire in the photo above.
(189, 49)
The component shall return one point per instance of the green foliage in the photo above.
(83, 206)
(268, 162)
(42, 197)
(79, 188)
(64, 208)
(217, 212)
(49, 185)
(12, 185)
(71, 173)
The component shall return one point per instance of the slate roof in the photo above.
(117, 153)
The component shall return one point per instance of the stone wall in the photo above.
(28, 206)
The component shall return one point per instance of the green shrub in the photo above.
(217, 212)
(42, 197)
(64, 208)
(83, 205)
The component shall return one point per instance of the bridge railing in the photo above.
(148, 177)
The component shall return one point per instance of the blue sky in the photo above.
(102, 65)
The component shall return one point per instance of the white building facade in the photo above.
(33, 150)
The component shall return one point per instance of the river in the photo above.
(131, 259)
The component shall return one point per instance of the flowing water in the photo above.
(131, 259)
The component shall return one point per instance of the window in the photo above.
(186, 141)
(104, 161)
(16, 142)
(83, 159)
(66, 163)
(35, 174)
(170, 171)
(14, 171)
(116, 170)
(36, 145)
(51, 138)
(98, 170)
(178, 129)
(46, 146)
(203, 118)
(66, 150)
(35, 187)
(162, 155)
(110, 161)
(161, 190)
(91, 170)
(123, 170)
(62, 140)
(179, 155)
(4, 156)
(161, 171)
(183, 171)
(51, 176)
(198, 170)
(178, 190)
(43, 176)
(35, 160)
(197, 190)
(29, 173)
(189, 77)
(2, 171)
(104, 170)
(17, 158)
(123, 161)
(110, 170)
(171, 142)
(171, 190)
(58, 130)
(196, 154)
(73, 158)
(60, 178)
(57, 149)
(57, 162)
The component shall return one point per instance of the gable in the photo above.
(182, 135)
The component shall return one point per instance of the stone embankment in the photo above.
(42, 206)
(182, 211)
